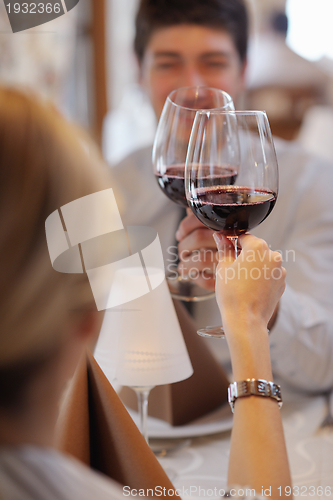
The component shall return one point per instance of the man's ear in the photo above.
(243, 73)
(139, 65)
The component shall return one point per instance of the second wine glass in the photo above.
(241, 141)
(169, 154)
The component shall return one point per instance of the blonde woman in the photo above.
(47, 318)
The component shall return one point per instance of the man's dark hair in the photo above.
(227, 15)
(279, 23)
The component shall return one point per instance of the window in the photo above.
(310, 28)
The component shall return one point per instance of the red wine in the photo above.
(172, 181)
(232, 209)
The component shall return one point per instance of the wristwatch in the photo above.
(254, 387)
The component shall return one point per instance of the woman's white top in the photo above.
(36, 473)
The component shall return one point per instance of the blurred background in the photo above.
(83, 61)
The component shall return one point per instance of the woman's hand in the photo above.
(248, 288)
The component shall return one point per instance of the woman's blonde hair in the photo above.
(44, 164)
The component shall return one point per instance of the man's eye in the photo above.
(165, 65)
(217, 64)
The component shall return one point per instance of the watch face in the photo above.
(262, 387)
(276, 391)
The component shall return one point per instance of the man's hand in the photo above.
(197, 251)
(199, 256)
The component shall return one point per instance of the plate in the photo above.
(217, 421)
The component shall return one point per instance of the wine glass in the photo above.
(142, 394)
(242, 142)
(169, 154)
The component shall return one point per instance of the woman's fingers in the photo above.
(225, 247)
(254, 282)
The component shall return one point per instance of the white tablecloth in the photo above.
(203, 463)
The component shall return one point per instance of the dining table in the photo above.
(95, 427)
(197, 464)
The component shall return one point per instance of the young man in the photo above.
(203, 42)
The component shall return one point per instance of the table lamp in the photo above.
(142, 345)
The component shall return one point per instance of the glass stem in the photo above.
(142, 395)
(234, 240)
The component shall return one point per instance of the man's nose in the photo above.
(192, 78)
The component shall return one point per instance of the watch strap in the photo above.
(254, 387)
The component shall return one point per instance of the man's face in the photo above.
(190, 55)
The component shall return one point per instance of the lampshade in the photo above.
(141, 343)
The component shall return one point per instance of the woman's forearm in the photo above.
(258, 456)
